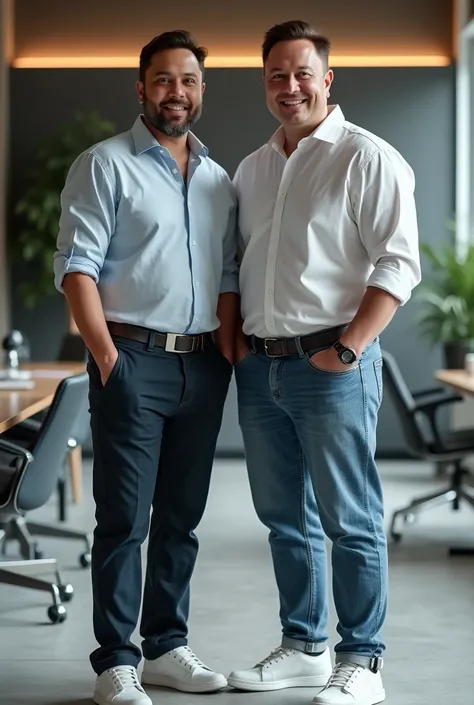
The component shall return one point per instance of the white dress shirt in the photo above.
(318, 227)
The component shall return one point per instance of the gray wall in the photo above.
(411, 108)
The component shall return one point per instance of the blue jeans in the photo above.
(309, 439)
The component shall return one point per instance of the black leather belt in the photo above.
(279, 347)
(171, 342)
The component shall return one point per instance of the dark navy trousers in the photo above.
(154, 430)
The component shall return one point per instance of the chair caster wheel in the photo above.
(396, 537)
(38, 554)
(409, 518)
(57, 613)
(66, 592)
(85, 560)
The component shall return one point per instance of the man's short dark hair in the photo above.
(176, 39)
(296, 29)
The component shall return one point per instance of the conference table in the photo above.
(16, 405)
(459, 380)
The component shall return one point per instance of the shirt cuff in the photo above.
(67, 265)
(392, 280)
(229, 284)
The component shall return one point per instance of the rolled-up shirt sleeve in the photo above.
(87, 219)
(230, 271)
(385, 212)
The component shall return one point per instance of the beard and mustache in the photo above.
(165, 123)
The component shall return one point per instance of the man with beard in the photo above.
(146, 260)
(328, 222)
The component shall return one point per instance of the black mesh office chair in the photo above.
(418, 413)
(28, 477)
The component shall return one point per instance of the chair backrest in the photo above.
(49, 452)
(414, 426)
(72, 348)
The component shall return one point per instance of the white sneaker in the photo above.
(182, 670)
(351, 684)
(284, 668)
(120, 686)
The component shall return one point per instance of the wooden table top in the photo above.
(21, 404)
(460, 380)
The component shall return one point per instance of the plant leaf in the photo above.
(39, 208)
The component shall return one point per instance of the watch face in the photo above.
(348, 357)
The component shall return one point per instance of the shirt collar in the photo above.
(327, 131)
(144, 140)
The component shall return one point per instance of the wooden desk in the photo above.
(18, 405)
(459, 380)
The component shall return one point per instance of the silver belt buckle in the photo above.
(170, 345)
(265, 345)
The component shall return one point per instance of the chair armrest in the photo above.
(24, 434)
(441, 399)
(436, 392)
(29, 425)
(430, 409)
(16, 451)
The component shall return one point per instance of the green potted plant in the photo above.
(38, 209)
(447, 295)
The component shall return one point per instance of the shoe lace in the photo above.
(344, 675)
(125, 677)
(277, 654)
(188, 658)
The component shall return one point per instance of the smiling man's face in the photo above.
(297, 84)
(172, 92)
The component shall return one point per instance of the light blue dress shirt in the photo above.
(161, 250)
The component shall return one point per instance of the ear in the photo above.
(328, 79)
(140, 88)
(203, 88)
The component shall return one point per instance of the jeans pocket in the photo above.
(331, 373)
(378, 364)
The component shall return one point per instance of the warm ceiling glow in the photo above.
(115, 62)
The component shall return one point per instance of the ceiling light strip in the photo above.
(109, 62)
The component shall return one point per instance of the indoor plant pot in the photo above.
(455, 353)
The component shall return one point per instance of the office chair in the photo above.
(72, 349)
(418, 413)
(14, 465)
(30, 487)
(14, 470)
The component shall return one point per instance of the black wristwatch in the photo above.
(346, 355)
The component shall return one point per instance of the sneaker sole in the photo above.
(379, 698)
(101, 701)
(169, 682)
(303, 682)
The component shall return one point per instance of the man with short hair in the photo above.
(330, 250)
(146, 260)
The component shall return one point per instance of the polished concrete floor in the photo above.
(234, 621)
